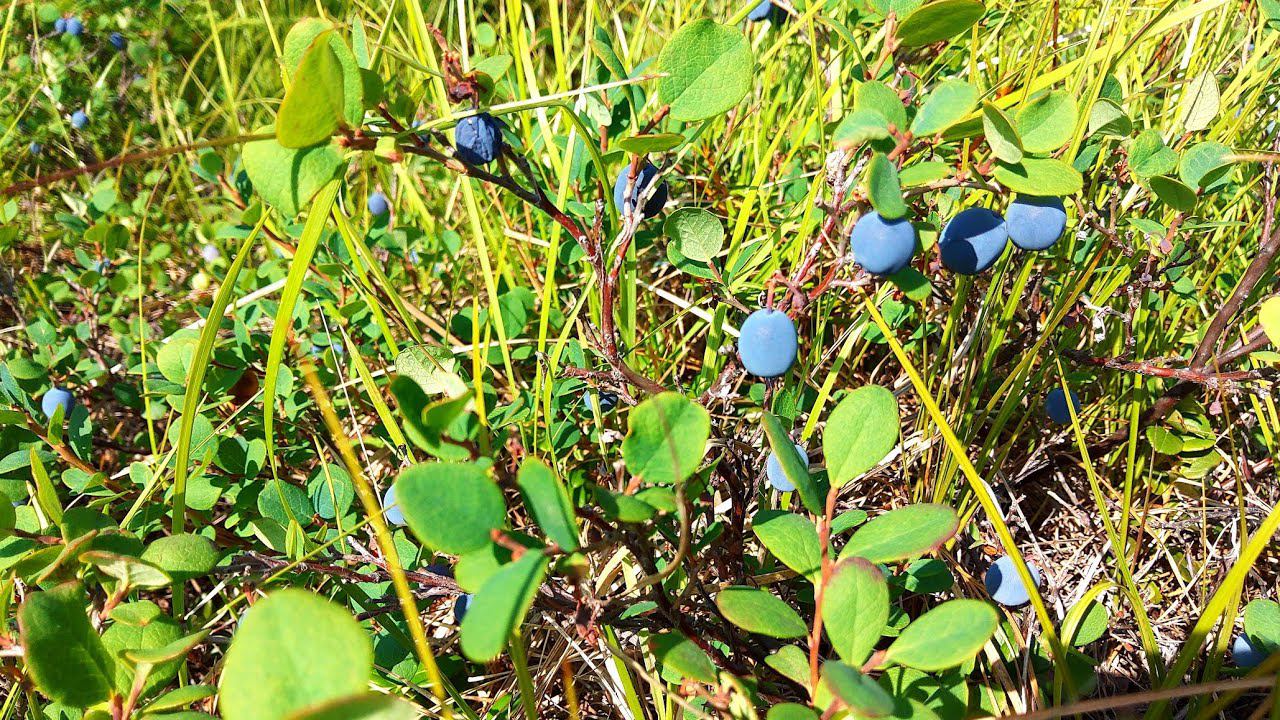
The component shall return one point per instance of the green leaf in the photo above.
(654, 143)
(1148, 155)
(129, 571)
(286, 178)
(855, 609)
(1262, 624)
(847, 520)
(1002, 136)
(947, 104)
(8, 516)
(1200, 102)
(938, 20)
(622, 507)
(791, 662)
(293, 651)
(1108, 118)
(299, 40)
(364, 706)
(154, 634)
(698, 234)
(860, 126)
(666, 438)
(501, 605)
(709, 69)
(433, 367)
(681, 656)
(1093, 624)
(946, 636)
(879, 98)
(793, 467)
(904, 533)
(452, 507)
(181, 697)
(858, 692)
(174, 358)
(1204, 164)
(1173, 193)
(184, 556)
(1040, 177)
(313, 106)
(1163, 441)
(548, 502)
(758, 611)
(1047, 122)
(64, 655)
(860, 433)
(792, 539)
(881, 182)
(923, 173)
(791, 711)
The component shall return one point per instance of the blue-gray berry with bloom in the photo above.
(773, 470)
(639, 186)
(1005, 586)
(75, 28)
(761, 11)
(117, 41)
(378, 204)
(79, 119)
(767, 343)
(460, 606)
(391, 511)
(1246, 654)
(57, 397)
(1035, 223)
(882, 247)
(973, 241)
(1055, 406)
(478, 139)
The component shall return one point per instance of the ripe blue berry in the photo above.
(1055, 406)
(639, 186)
(35, 148)
(378, 204)
(210, 252)
(882, 247)
(767, 344)
(60, 25)
(1245, 654)
(973, 241)
(604, 400)
(57, 397)
(1035, 223)
(392, 512)
(761, 11)
(75, 28)
(478, 139)
(1004, 585)
(117, 41)
(773, 470)
(79, 119)
(460, 606)
(439, 569)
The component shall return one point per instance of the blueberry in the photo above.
(117, 41)
(761, 11)
(767, 343)
(460, 606)
(1004, 585)
(79, 119)
(210, 252)
(35, 148)
(378, 204)
(1035, 223)
(439, 569)
(973, 241)
(641, 184)
(392, 512)
(607, 401)
(1055, 406)
(75, 28)
(60, 25)
(57, 397)
(102, 266)
(1245, 654)
(773, 470)
(882, 247)
(478, 139)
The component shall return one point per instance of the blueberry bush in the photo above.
(781, 359)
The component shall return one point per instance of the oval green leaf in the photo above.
(937, 21)
(883, 188)
(709, 70)
(1002, 136)
(903, 533)
(548, 501)
(860, 432)
(855, 608)
(1040, 177)
(63, 653)
(946, 636)
(452, 507)
(1173, 193)
(666, 438)
(313, 106)
(501, 605)
(681, 656)
(858, 692)
(947, 104)
(791, 538)
(1047, 122)
(698, 234)
(760, 612)
(793, 467)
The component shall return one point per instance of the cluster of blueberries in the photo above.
(392, 514)
(74, 27)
